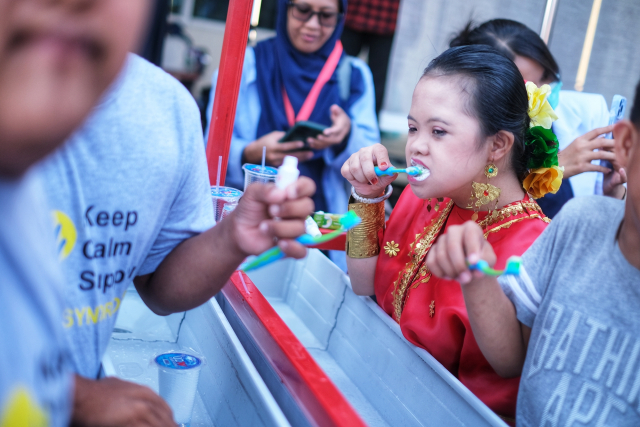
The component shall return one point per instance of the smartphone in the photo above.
(301, 131)
(616, 113)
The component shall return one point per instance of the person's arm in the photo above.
(196, 269)
(111, 402)
(359, 171)
(500, 335)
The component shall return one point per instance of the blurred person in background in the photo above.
(277, 78)
(582, 117)
(56, 59)
(371, 24)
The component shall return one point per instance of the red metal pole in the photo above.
(223, 113)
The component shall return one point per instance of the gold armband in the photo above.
(362, 241)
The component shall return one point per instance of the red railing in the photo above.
(317, 396)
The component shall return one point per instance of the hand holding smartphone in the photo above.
(301, 131)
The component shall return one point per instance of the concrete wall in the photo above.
(426, 26)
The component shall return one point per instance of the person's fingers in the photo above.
(159, 413)
(607, 144)
(600, 155)
(283, 229)
(346, 171)
(598, 131)
(366, 162)
(473, 241)
(336, 112)
(302, 156)
(305, 187)
(356, 169)
(443, 257)
(330, 131)
(381, 156)
(386, 180)
(432, 261)
(623, 175)
(152, 409)
(455, 252)
(292, 209)
(322, 142)
(590, 167)
(284, 147)
(292, 248)
(599, 143)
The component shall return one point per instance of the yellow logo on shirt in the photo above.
(66, 233)
(21, 410)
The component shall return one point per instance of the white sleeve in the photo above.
(527, 290)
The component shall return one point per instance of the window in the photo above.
(176, 6)
(211, 9)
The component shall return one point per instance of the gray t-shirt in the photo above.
(127, 188)
(581, 298)
(35, 372)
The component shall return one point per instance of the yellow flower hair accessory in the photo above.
(543, 180)
(540, 111)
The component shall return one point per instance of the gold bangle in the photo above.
(362, 241)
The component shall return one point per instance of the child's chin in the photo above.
(420, 191)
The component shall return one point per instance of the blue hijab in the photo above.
(278, 64)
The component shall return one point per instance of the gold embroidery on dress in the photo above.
(424, 240)
(422, 245)
(391, 248)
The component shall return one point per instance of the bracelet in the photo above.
(362, 240)
(367, 200)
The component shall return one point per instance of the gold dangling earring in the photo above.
(438, 201)
(481, 194)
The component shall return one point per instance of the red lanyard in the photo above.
(310, 102)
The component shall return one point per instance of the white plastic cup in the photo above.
(223, 196)
(256, 173)
(178, 383)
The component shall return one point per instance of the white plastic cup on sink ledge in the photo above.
(178, 375)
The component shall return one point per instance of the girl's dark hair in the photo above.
(510, 38)
(497, 94)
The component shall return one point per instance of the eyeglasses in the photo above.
(303, 12)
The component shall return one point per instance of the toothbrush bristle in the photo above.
(350, 220)
(420, 173)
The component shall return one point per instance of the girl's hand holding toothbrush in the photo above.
(359, 170)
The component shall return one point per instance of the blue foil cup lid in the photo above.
(178, 361)
(267, 171)
(226, 192)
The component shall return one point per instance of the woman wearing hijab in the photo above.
(276, 91)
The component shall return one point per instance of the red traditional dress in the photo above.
(430, 310)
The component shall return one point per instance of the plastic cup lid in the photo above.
(178, 361)
(226, 192)
(258, 170)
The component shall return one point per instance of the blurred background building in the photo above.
(424, 30)
(594, 41)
